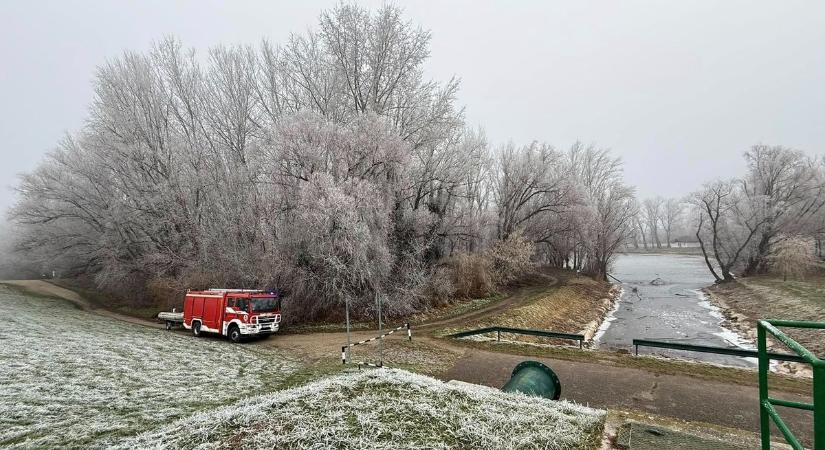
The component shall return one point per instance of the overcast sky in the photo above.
(678, 89)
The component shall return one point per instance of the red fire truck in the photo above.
(236, 313)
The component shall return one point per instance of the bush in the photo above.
(793, 257)
(440, 289)
(471, 275)
(511, 258)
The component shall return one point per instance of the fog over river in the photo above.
(672, 308)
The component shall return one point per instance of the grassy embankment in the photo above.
(575, 304)
(769, 297)
(99, 382)
(74, 379)
(388, 409)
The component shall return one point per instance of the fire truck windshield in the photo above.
(265, 304)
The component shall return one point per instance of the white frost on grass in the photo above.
(72, 379)
(385, 409)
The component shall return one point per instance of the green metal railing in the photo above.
(525, 331)
(767, 412)
(711, 349)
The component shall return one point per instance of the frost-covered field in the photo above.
(385, 409)
(72, 379)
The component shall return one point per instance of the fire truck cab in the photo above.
(235, 313)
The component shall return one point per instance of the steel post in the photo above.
(349, 338)
(764, 364)
(819, 406)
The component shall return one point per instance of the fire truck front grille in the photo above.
(268, 324)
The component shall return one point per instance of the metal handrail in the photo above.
(767, 412)
(524, 331)
(712, 349)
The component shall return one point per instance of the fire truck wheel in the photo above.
(196, 328)
(234, 334)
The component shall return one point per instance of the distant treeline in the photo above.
(770, 218)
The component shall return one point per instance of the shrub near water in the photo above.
(71, 379)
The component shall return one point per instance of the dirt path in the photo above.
(41, 287)
(511, 301)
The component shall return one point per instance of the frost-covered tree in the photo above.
(653, 211)
(672, 210)
(328, 166)
(726, 223)
(610, 206)
(791, 188)
(530, 182)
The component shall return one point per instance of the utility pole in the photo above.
(380, 327)
(349, 340)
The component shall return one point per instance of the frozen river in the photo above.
(672, 308)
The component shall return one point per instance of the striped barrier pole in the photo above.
(377, 366)
(345, 347)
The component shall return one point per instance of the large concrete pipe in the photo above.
(534, 378)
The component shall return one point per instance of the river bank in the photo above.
(747, 300)
(573, 304)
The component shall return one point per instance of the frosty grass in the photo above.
(385, 409)
(72, 379)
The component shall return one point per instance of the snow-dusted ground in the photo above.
(72, 379)
(385, 409)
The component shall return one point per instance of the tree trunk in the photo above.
(705, 254)
(759, 263)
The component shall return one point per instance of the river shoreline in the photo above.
(608, 316)
(745, 327)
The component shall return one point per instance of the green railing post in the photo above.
(819, 405)
(764, 365)
(767, 412)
